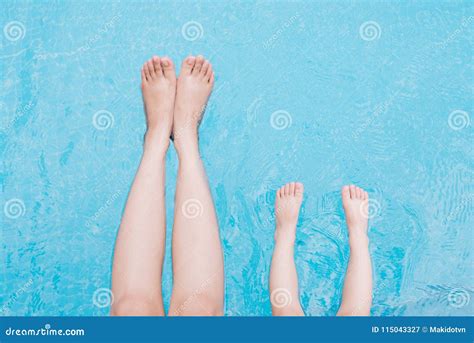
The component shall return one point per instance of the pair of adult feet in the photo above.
(174, 105)
(288, 203)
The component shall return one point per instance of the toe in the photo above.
(346, 194)
(366, 195)
(352, 190)
(188, 65)
(198, 65)
(292, 188)
(287, 189)
(146, 71)
(157, 66)
(278, 193)
(168, 68)
(143, 74)
(211, 79)
(282, 191)
(299, 188)
(208, 72)
(205, 68)
(151, 69)
(358, 193)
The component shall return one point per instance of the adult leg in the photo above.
(198, 266)
(140, 245)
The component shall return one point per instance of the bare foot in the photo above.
(287, 208)
(194, 87)
(355, 201)
(159, 88)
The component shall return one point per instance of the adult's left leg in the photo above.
(140, 245)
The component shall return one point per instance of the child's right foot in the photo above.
(287, 208)
(355, 201)
(194, 87)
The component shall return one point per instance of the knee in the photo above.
(213, 305)
(136, 306)
(196, 305)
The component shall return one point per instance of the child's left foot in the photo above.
(287, 208)
(355, 201)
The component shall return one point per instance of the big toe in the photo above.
(346, 194)
(168, 68)
(188, 65)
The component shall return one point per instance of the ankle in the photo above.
(285, 235)
(358, 240)
(186, 144)
(156, 140)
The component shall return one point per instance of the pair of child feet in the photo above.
(288, 202)
(357, 292)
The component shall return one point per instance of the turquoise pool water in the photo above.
(375, 93)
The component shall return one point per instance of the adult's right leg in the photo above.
(198, 266)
